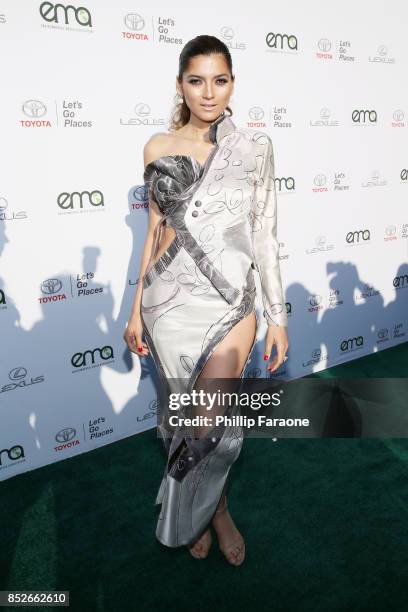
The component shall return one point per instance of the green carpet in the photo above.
(325, 523)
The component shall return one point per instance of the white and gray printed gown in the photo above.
(224, 215)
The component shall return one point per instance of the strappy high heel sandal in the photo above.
(201, 547)
(234, 552)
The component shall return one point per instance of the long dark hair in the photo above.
(200, 45)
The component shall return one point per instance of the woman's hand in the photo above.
(133, 337)
(276, 334)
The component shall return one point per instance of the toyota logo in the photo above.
(319, 180)
(324, 44)
(65, 435)
(51, 285)
(141, 193)
(134, 22)
(34, 108)
(398, 115)
(256, 113)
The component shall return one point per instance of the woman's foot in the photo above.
(201, 547)
(231, 542)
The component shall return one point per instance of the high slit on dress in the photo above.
(191, 300)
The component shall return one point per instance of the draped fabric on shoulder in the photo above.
(168, 177)
(193, 295)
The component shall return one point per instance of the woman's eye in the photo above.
(194, 81)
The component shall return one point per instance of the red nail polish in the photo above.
(266, 357)
(140, 349)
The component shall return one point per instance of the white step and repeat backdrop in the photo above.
(83, 87)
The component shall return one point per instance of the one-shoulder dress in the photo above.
(224, 215)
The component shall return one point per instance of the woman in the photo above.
(212, 221)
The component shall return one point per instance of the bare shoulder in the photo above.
(156, 146)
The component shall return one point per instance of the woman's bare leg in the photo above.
(226, 361)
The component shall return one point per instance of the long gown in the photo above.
(224, 217)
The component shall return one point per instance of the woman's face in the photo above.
(206, 86)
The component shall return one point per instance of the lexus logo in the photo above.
(142, 109)
(227, 32)
(17, 373)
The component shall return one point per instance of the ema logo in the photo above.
(81, 360)
(400, 282)
(364, 116)
(57, 13)
(13, 454)
(351, 344)
(69, 202)
(357, 236)
(286, 183)
(281, 41)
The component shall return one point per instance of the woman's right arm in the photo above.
(134, 330)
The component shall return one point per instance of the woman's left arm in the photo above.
(263, 219)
